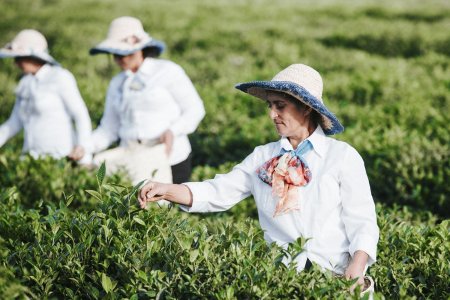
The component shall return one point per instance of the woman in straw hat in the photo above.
(305, 185)
(151, 106)
(47, 101)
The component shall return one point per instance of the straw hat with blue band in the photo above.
(28, 43)
(126, 35)
(303, 83)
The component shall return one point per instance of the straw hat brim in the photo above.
(7, 53)
(330, 124)
(121, 48)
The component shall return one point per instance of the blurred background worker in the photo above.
(47, 101)
(151, 106)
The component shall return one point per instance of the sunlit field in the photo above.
(66, 232)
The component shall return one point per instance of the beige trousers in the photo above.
(140, 162)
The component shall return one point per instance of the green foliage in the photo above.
(385, 69)
(46, 181)
(118, 250)
(413, 255)
(10, 287)
(65, 233)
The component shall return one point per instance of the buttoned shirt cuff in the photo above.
(366, 243)
(199, 194)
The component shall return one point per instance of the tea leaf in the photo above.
(107, 284)
(139, 221)
(94, 194)
(101, 174)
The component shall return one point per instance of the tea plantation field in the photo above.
(66, 232)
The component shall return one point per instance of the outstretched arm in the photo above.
(212, 195)
(176, 193)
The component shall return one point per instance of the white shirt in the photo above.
(46, 104)
(336, 208)
(143, 105)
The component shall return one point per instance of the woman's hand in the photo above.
(77, 153)
(155, 191)
(167, 139)
(356, 268)
(152, 191)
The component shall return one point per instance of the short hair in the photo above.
(33, 58)
(151, 52)
(300, 105)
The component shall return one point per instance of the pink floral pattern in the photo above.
(285, 173)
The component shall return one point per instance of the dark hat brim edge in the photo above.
(159, 45)
(48, 58)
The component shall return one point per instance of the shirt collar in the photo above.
(42, 72)
(147, 66)
(317, 139)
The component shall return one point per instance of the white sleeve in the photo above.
(358, 212)
(77, 110)
(108, 130)
(12, 126)
(225, 190)
(186, 96)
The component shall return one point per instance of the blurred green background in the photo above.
(386, 72)
(385, 66)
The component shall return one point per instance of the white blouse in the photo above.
(143, 105)
(337, 211)
(46, 104)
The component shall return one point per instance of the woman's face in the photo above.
(28, 65)
(290, 120)
(130, 62)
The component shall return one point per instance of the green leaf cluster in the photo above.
(120, 251)
(385, 71)
(68, 232)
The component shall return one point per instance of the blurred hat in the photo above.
(126, 35)
(28, 43)
(303, 83)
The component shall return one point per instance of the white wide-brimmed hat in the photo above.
(28, 43)
(126, 35)
(303, 83)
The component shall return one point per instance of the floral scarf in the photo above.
(285, 173)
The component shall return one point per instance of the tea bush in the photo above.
(413, 255)
(47, 180)
(386, 76)
(118, 250)
(385, 70)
